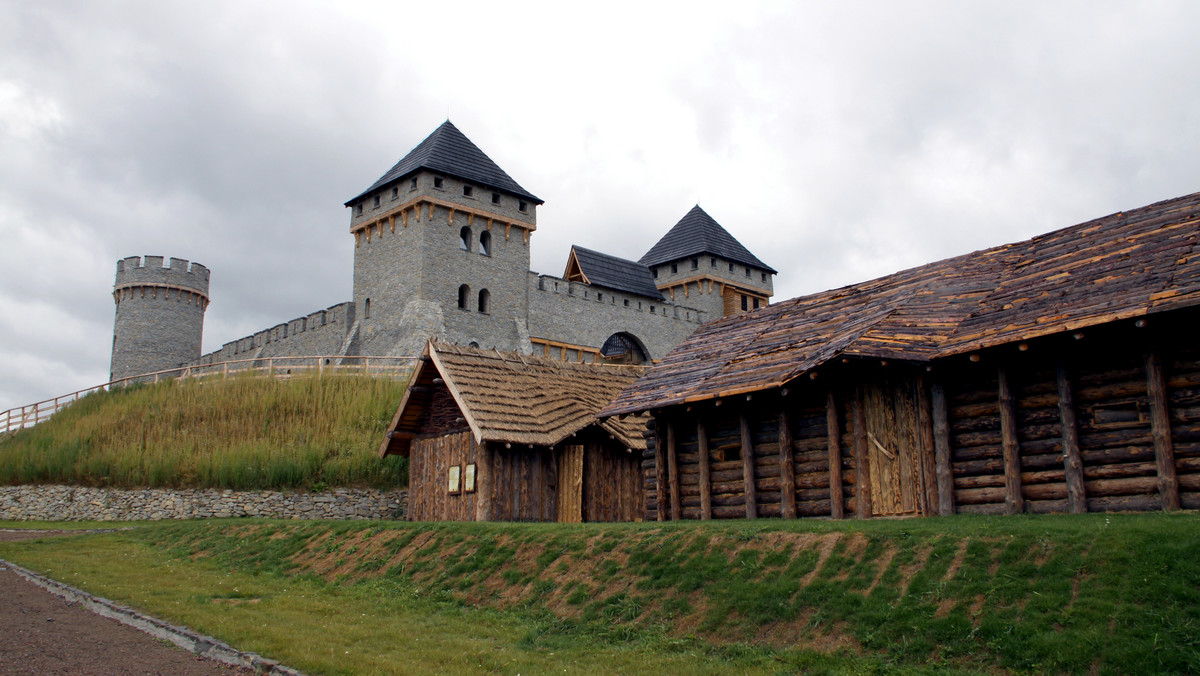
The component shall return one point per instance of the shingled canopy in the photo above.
(515, 399)
(449, 151)
(695, 234)
(610, 272)
(1125, 265)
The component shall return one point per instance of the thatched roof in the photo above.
(1125, 265)
(511, 398)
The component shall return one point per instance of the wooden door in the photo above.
(891, 419)
(570, 484)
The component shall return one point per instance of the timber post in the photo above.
(927, 452)
(660, 469)
(941, 449)
(1160, 428)
(787, 468)
(1014, 502)
(673, 470)
(1072, 462)
(862, 469)
(748, 487)
(705, 474)
(837, 500)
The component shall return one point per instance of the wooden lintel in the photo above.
(837, 499)
(941, 449)
(705, 474)
(1072, 463)
(673, 471)
(1160, 429)
(1014, 501)
(862, 468)
(748, 487)
(787, 468)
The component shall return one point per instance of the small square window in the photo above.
(467, 190)
(626, 302)
(437, 182)
(674, 268)
(712, 262)
(731, 267)
(764, 276)
(376, 203)
(655, 271)
(412, 185)
(695, 263)
(395, 191)
(747, 272)
(651, 309)
(359, 209)
(521, 207)
(755, 303)
(744, 303)
(495, 198)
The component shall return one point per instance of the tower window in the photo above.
(747, 272)
(712, 262)
(437, 182)
(464, 296)
(464, 239)
(744, 304)
(367, 309)
(731, 267)
(412, 185)
(358, 210)
(521, 206)
(467, 190)
(674, 268)
(764, 276)
(695, 263)
(395, 191)
(485, 243)
(495, 198)
(655, 271)
(755, 303)
(485, 301)
(651, 309)
(375, 204)
(626, 302)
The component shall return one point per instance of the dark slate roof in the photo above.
(697, 233)
(449, 151)
(1129, 264)
(615, 273)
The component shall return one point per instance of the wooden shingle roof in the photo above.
(449, 151)
(696, 234)
(1124, 265)
(506, 397)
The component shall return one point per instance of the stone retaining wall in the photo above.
(74, 503)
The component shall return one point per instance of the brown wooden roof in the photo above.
(511, 398)
(1125, 265)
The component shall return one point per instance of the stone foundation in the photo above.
(74, 503)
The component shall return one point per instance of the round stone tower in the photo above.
(160, 314)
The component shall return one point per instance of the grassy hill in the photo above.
(241, 433)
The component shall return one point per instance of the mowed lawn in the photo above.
(1065, 594)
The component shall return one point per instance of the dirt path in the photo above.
(41, 633)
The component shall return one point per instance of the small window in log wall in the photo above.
(1119, 413)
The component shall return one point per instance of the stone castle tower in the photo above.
(442, 248)
(160, 314)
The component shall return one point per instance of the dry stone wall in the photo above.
(76, 503)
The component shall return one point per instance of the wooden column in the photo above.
(1072, 463)
(748, 487)
(787, 466)
(1160, 428)
(483, 482)
(660, 468)
(1014, 502)
(837, 500)
(941, 449)
(673, 470)
(927, 451)
(862, 467)
(705, 476)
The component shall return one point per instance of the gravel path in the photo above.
(41, 633)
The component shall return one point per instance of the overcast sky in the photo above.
(839, 141)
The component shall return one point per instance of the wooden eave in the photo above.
(574, 272)
(412, 404)
(388, 217)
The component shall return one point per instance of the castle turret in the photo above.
(160, 314)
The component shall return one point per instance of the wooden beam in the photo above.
(1014, 502)
(673, 471)
(837, 499)
(927, 453)
(1072, 463)
(862, 466)
(660, 468)
(705, 476)
(787, 466)
(748, 487)
(1160, 428)
(941, 449)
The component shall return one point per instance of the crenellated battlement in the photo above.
(150, 271)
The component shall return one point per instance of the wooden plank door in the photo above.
(890, 416)
(570, 484)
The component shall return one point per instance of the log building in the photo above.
(494, 436)
(1057, 374)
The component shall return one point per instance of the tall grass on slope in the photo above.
(240, 433)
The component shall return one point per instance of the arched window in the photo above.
(464, 296)
(485, 301)
(464, 239)
(485, 243)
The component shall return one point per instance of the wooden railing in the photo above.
(270, 367)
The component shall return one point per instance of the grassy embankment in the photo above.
(1068, 594)
(241, 433)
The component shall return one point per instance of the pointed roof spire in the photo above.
(449, 151)
(697, 233)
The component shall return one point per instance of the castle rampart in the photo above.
(320, 333)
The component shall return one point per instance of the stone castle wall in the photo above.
(73, 503)
(323, 332)
(159, 319)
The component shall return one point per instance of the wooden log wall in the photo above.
(524, 483)
(612, 489)
(429, 464)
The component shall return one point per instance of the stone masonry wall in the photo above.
(159, 318)
(320, 333)
(73, 503)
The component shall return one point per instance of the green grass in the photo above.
(1106, 594)
(239, 433)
